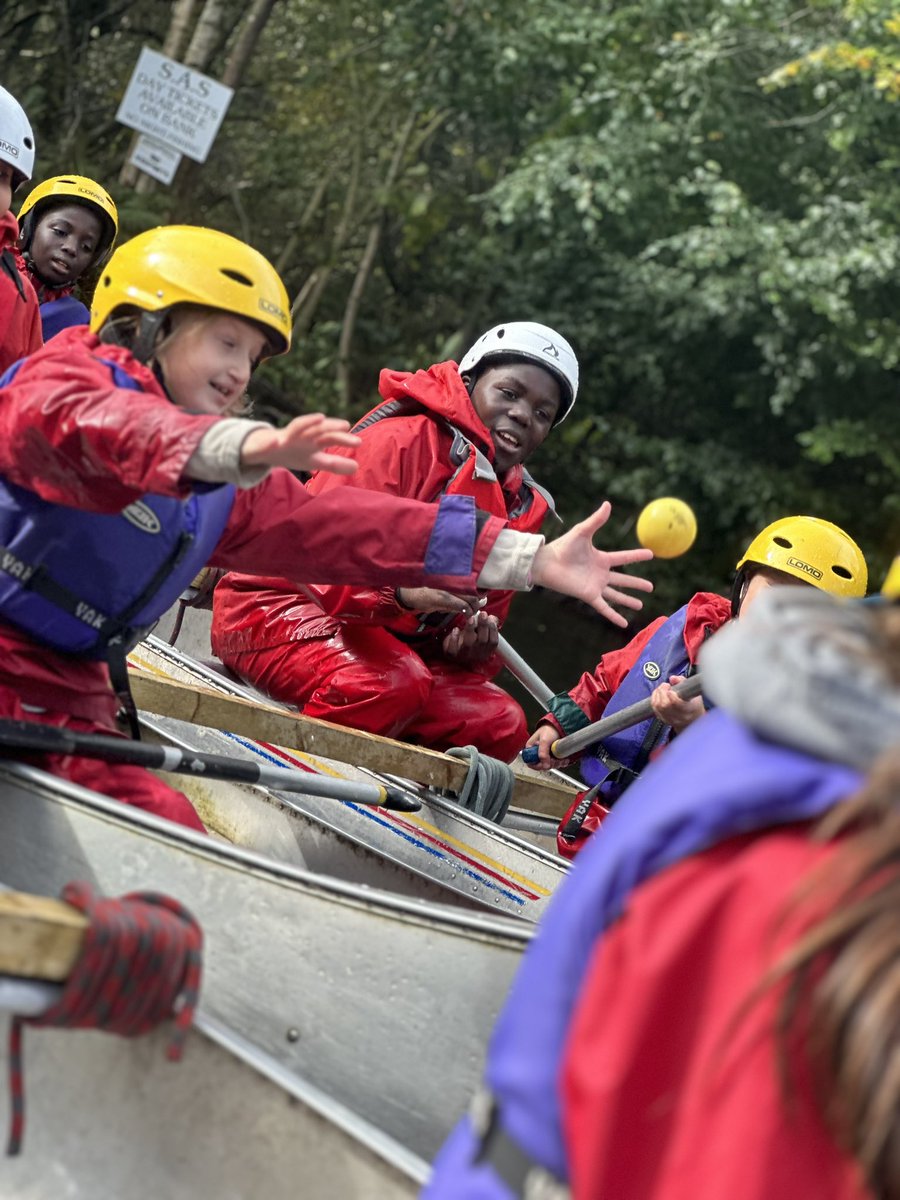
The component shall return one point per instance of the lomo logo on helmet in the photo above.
(142, 517)
(9, 148)
(804, 566)
(268, 307)
(551, 350)
(83, 191)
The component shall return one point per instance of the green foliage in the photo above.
(702, 196)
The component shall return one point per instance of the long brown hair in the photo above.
(843, 975)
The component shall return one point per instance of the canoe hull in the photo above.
(384, 1003)
(109, 1116)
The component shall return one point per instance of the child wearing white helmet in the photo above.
(67, 229)
(20, 324)
(417, 663)
(124, 471)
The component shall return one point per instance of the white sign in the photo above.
(153, 158)
(174, 104)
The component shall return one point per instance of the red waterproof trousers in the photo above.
(365, 677)
(130, 784)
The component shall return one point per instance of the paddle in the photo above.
(564, 747)
(29, 737)
(518, 667)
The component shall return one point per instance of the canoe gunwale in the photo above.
(467, 923)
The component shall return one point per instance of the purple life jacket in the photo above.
(83, 581)
(57, 315)
(619, 759)
(717, 780)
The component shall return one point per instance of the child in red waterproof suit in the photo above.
(67, 228)
(20, 323)
(791, 550)
(122, 474)
(409, 663)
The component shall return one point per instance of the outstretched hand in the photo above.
(301, 445)
(574, 566)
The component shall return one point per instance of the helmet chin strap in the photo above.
(738, 591)
(149, 325)
(54, 285)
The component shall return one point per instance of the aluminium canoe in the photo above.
(441, 849)
(383, 1002)
(110, 1116)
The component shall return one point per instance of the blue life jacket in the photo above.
(618, 759)
(716, 780)
(83, 581)
(57, 315)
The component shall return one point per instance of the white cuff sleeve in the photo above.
(510, 561)
(217, 459)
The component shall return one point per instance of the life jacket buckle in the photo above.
(525, 1178)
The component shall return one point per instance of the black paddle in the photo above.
(30, 737)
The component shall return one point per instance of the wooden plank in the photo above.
(267, 723)
(40, 938)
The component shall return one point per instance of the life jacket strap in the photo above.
(525, 1178)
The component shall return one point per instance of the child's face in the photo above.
(64, 243)
(207, 361)
(6, 188)
(518, 403)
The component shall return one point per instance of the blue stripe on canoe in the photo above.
(365, 811)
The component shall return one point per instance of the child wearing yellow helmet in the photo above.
(123, 472)
(793, 550)
(20, 322)
(67, 228)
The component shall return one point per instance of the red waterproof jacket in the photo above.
(71, 436)
(670, 1085)
(20, 320)
(404, 455)
(706, 612)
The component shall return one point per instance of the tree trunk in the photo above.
(364, 269)
(307, 301)
(312, 207)
(254, 24)
(182, 13)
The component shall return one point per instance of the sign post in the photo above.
(178, 109)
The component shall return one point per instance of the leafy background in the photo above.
(702, 196)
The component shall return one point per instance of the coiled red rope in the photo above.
(140, 964)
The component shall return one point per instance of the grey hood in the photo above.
(806, 670)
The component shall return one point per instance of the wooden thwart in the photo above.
(265, 723)
(40, 938)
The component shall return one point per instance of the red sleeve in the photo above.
(595, 689)
(398, 456)
(669, 1080)
(71, 436)
(279, 528)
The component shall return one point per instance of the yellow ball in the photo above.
(667, 526)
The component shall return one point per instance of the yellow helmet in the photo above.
(71, 189)
(812, 550)
(891, 586)
(187, 264)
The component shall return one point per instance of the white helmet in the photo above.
(537, 343)
(16, 138)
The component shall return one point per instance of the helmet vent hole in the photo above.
(842, 571)
(783, 542)
(501, 333)
(106, 280)
(29, 144)
(237, 277)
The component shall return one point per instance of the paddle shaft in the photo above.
(29, 737)
(528, 678)
(574, 743)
